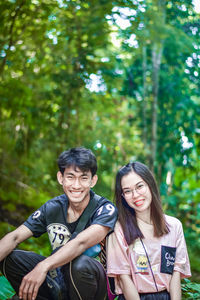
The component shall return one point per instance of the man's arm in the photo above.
(84, 240)
(9, 242)
(89, 237)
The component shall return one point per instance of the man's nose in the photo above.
(76, 183)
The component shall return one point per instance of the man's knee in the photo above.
(4, 262)
(20, 262)
(85, 267)
(86, 264)
(88, 278)
(1, 266)
(80, 263)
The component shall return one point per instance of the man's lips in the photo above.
(139, 202)
(76, 193)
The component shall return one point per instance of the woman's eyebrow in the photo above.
(128, 187)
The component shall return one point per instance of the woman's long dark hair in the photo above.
(127, 217)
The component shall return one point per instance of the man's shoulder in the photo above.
(104, 202)
(57, 201)
(105, 208)
(101, 199)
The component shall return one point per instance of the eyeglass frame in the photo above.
(135, 190)
(71, 179)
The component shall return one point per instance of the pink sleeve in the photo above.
(117, 253)
(182, 263)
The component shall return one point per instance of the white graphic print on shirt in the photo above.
(59, 235)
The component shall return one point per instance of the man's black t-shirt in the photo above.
(52, 218)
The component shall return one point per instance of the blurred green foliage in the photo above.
(6, 291)
(190, 290)
(144, 103)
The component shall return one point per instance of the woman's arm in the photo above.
(175, 286)
(128, 288)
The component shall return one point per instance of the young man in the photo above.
(36, 277)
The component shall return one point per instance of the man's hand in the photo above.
(31, 282)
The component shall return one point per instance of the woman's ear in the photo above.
(60, 177)
(94, 180)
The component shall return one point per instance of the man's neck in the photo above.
(75, 210)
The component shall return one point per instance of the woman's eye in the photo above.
(140, 186)
(127, 192)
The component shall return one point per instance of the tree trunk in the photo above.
(156, 61)
(157, 50)
(144, 109)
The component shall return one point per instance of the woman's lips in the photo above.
(139, 202)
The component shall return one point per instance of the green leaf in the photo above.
(6, 290)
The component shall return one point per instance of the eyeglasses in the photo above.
(140, 188)
(82, 180)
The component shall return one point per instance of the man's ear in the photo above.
(94, 180)
(60, 177)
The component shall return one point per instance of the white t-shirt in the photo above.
(166, 254)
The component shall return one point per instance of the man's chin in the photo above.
(75, 199)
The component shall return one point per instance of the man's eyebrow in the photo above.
(82, 174)
(85, 174)
(69, 173)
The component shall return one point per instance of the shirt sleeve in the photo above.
(182, 263)
(105, 215)
(37, 222)
(117, 252)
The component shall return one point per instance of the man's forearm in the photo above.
(84, 240)
(7, 244)
(63, 256)
(10, 241)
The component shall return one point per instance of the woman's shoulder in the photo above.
(118, 230)
(118, 227)
(173, 221)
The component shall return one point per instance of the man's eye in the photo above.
(85, 178)
(69, 177)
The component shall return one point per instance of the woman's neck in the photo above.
(146, 226)
(144, 217)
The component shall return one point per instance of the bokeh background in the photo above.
(119, 77)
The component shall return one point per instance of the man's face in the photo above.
(76, 184)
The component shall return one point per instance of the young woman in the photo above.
(146, 253)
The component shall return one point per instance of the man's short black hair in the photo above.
(78, 157)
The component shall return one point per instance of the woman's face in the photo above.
(136, 192)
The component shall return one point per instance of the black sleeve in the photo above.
(105, 215)
(37, 221)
